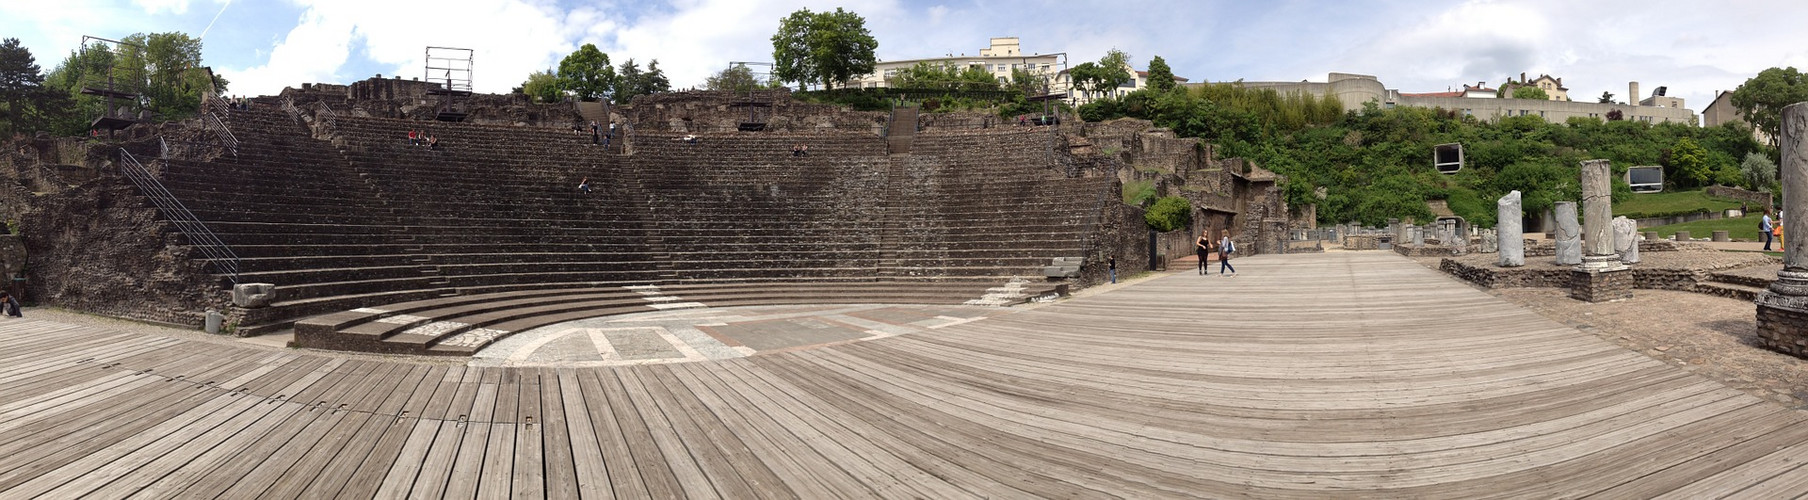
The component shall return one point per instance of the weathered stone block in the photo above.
(253, 295)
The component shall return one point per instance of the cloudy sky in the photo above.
(1693, 47)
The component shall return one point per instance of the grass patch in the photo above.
(1673, 203)
(1743, 228)
(1139, 193)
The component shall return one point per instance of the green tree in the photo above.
(175, 79)
(1169, 213)
(1161, 77)
(543, 86)
(1606, 98)
(1762, 98)
(1690, 161)
(587, 73)
(737, 78)
(1759, 172)
(631, 81)
(1530, 93)
(1100, 79)
(21, 82)
(93, 62)
(825, 47)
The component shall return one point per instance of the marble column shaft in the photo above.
(1597, 208)
(1569, 234)
(1510, 228)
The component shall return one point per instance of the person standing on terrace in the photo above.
(1203, 247)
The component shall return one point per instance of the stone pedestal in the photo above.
(1720, 236)
(1601, 285)
(1652, 235)
(1783, 323)
(1682, 236)
(1783, 309)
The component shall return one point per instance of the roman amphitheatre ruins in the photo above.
(922, 305)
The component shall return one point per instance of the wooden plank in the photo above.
(109, 422)
(612, 464)
(460, 473)
(453, 396)
(349, 418)
(887, 465)
(251, 457)
(640, 456)
(714, 458)
(563, 473)
(543, 464)
(209, 408)
(498, 460)
(382, 423)
(799, 468)
(293, 377)
(657, 436)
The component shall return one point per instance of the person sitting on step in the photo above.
(433, 142)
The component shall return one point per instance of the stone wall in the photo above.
(95, 245)
(1122, 234)
(707, 111)
(1756, 199)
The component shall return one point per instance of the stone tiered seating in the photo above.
(400, 248)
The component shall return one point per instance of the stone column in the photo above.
(1783, 309)
(1625, 239)
(1597, 212)
(1511, 231)
(1418, 235)
(1569, 236)
(1601, 276)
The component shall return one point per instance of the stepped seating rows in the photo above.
(495, 214)
(460, 326)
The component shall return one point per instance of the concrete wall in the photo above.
(1355, 90)
(1551, 111)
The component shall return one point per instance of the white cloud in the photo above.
(508, 40)
(155, 6)
(312, 52)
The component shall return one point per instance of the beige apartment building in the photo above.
(1004, 56)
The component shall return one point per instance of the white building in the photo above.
(1004, 56)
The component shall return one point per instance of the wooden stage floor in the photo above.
(1347, 374)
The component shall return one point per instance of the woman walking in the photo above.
(1225, 248)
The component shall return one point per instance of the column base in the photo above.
(1600, 285)
(1783, 323)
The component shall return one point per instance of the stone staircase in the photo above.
(1742, 283)
(902, 130)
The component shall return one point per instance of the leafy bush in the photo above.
(1169, 213)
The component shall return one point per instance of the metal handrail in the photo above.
(199, 236)
(218, 103)
(225, 134)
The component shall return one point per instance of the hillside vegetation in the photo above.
(1377, 163)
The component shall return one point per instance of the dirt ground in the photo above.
(1714, 337)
